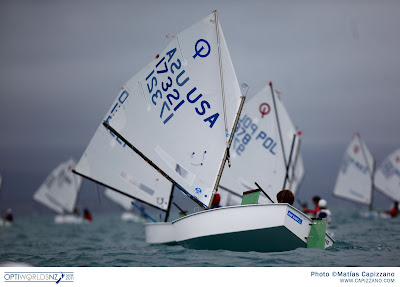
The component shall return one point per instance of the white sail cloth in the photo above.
(354, 180)
(60, 190)
(257, 152)
(173, 110)
(387, 176)
(124, 201)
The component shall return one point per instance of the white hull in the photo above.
(375, 214)
(261, 227)
(160, 233)
(5, 223)
(60, 219)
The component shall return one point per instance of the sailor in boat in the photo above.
(324, 212)
(9, 216)
(216, 200)
(285, 196)
(315, 201)
(395, 210)
(87, 215)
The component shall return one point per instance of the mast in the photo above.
(230, 135)
(221, 73)
(290, 159)
(243, 98)
(295, 163)
(280, 137)
(78, 186)
(171, 196)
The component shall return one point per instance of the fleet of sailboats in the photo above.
(358, 179)
(182, 122)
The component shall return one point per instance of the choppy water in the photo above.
(109, 241)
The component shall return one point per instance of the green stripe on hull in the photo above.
(272, 239)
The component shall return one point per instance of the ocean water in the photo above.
(108, 241)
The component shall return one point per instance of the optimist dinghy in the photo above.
(189, 98)
(358, 179)
(59, 192)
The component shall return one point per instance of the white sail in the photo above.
(60, 190)
(122, 200)
(354, 180)
(229, 198)
(387, 176)
(173, 109)
(111, 163)
(292, 154)
(256, 151)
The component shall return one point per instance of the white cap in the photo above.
(322, 203)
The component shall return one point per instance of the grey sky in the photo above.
(335, 63)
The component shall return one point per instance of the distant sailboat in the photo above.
(59, 192)
(126, 203)
(355, 178)
(4, 221)
(387, 176)
(179, 114)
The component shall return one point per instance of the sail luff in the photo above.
(294, 164)
(221, 73)
(288, 164)
(279, 131)
(278, 123)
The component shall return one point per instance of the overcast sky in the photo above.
(62, 63)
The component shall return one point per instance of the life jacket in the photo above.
(216, 200)
(325, 213)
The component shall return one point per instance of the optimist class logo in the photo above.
(264, 109)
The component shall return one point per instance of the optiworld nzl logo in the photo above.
(48, 277)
